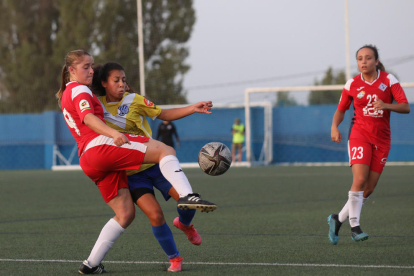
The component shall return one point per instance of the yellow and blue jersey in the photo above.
(129, 116)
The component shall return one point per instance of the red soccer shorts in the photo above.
(362, 151)
(106, 164)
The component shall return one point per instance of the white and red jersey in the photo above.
(77, 101)
(367, 121)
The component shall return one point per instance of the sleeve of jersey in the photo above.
(82, 99)
(346, 99)
(396, 90)
(147, 108)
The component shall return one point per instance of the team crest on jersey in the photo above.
(123, 110)
(361, 94)
(382, 87)
(84, 105)
(148, 102)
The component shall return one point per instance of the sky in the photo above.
(238, 44)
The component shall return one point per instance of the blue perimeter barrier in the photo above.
(300, 134)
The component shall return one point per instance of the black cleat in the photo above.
(85, 268)
(194, 201)
(358, 235)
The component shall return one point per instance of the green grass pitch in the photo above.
(269, 221)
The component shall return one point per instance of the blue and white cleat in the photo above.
(334, 226)
(358, 235)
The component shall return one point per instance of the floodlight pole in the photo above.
(140, 48)
(348, 57)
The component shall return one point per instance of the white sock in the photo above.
(355, 205)
(171, 170)
(344, 214)
(110, 232)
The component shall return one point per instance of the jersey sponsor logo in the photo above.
(123, 110)
(148, 102)
(84, 105)
(361, 95)
(358, 89)
(382, 87)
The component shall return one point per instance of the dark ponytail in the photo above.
(379, 66)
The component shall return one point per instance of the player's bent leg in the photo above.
(150, 206)
(123, 207)
(334, 226)
(124, 214)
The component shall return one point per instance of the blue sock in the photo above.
(186, 216)
(165, 238)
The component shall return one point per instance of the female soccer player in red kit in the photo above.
(372, 93)
(105, 154)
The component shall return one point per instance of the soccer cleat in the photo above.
(194, 201)
(334, 226)
(85, 268)
(176, 264)
(189, 231)
(358, 235)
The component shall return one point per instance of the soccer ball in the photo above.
(214, 158)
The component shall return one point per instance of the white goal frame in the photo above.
(269, 144)
(264, 158)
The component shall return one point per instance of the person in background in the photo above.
(166, 131)
(238, 139)
(105, 154)
(369, 140)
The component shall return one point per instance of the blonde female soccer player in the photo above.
(105, 155)
(372, 93)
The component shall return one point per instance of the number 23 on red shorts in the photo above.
(361, 151)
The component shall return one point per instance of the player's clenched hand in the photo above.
(379, 105)
(336, 135)
(120, 139)
(203, 107)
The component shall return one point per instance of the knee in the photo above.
(126, 218)
(156, 218)
(170, 151)
(360, 180)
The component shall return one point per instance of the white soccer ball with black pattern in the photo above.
(214, 158)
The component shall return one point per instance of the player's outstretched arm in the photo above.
(337, 119)
(100, 127)
(178, 113)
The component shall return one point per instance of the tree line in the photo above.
(35, 36)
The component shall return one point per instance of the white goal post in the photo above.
(269, 144)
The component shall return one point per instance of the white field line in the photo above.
(209, 263)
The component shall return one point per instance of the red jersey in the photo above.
(77, 101)
(367, 121)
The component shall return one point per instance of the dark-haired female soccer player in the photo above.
(127, 113)
(105, 154)
(372, 93)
